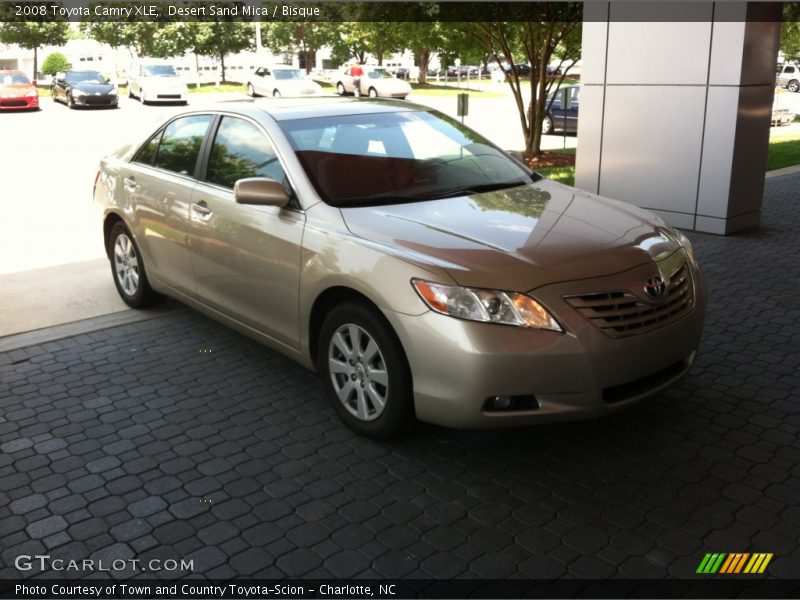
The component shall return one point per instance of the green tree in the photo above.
(33, 35)
(303, 38)
(54, 63)
(423, 39)
(142, 38)
(219, 38)
(556, 34)
(790, 32)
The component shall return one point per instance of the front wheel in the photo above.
(340, 89)
(70, 101)
(251, 91)
(127, 268)
(365, 371)
(276, 94)
(793, 86)
(373, 93)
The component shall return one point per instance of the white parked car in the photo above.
(156, 82)
(281, 81)
(377, 82)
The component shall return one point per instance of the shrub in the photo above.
(54, 63)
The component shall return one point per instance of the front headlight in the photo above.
(112, 92)
(31, 93)
(681, 238)
(78, 93)
(487, 306)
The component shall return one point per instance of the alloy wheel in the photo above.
(126, 265)
(358, 372)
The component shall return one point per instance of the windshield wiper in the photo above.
(377, 200)
(476, 189)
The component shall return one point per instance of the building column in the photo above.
(675, 108)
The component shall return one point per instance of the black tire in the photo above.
(276, 93)
(144, 295)
(373, 93)
(398, 408)
(70, 101)
(340, 89)
(547, 125)
(793, 85)
(251, 91)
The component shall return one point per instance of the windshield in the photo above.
(85, 77)
(13, 78)
(159, 71)
(383, 158)
(284, 74)
(379, 74)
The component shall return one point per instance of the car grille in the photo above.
(97, 99)
(169, 96)
(13, 103)
(620, 313)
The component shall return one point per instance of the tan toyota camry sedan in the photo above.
(418, 268)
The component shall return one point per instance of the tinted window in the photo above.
(12, 78)
(159, 71)
(147, 152)
(241, 150)
(790, 69)
(85, 77)
(397, 157)
(181, 142)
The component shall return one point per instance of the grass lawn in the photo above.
(784, 151)
(211, 88)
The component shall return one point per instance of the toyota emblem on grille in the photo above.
(655, 287)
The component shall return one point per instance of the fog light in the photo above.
(511, 403)
(500, 402)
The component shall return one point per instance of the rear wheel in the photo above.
(547, 125)
(794, 85)
(365, 371)
(127, 268)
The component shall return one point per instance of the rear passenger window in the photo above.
(180, 144)
(147, 152)
(241, 150)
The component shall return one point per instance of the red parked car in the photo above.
(17, 92)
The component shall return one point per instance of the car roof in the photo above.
(285, 109)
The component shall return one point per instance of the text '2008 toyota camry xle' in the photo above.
(419, 269)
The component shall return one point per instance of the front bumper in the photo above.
(19, 103)
(458, 365)
(96, 100)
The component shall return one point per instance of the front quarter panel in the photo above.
(333, 257)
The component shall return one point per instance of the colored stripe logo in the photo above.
(734, 563)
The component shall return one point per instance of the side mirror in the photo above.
(260, 191)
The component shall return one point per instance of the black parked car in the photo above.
(559, 116)
(84, 88)
(522, 70)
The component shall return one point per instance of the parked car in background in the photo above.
(560, 116)
(788, 76)
(84, 88)
(522, 70)
(417, 267)
(377, 82)
(156, 81)
(782, 111)
(281, 81)
(17, 92)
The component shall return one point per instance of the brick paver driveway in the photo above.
(178, 438)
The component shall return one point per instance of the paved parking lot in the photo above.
(176, 438)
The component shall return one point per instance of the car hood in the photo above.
(93, 88)
(15, 89)
(520, 238)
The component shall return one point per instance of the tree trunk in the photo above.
(423, 60)
(222, 64)
(35, 63)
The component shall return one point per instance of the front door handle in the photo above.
(201, 210)
(130, 184)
